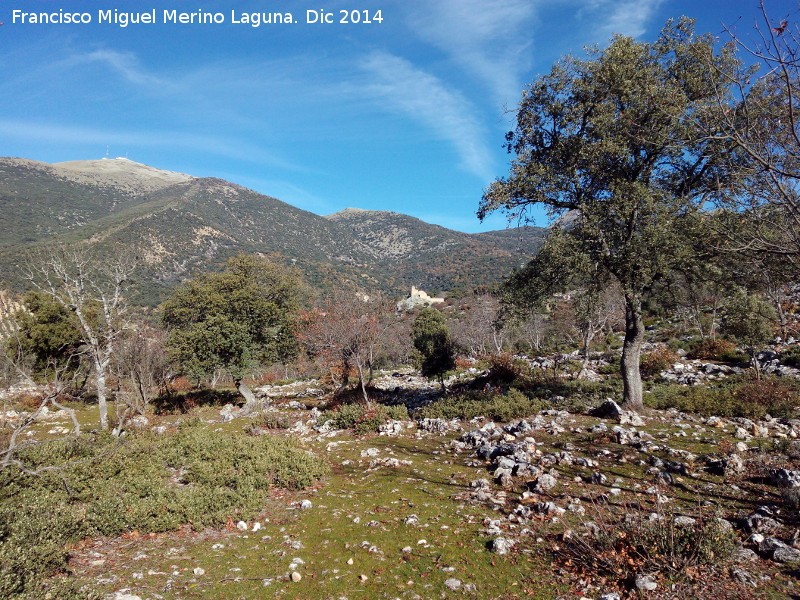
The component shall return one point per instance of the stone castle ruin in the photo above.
(416, 299)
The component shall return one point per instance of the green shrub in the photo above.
(791, 356)
(611, 368)
(735, 397)
(498, 407)
(271, 421)
(363, 418)
(704, 400)
(106, 486)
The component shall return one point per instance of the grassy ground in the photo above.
(381, 532)
(377, 530)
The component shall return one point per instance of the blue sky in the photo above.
(406, 115)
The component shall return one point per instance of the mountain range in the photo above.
(180, 225)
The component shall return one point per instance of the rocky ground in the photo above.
(552, 506)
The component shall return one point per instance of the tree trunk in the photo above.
(361, 382)
(631, 354)
(247, 394)
(101, 397)
(587, 339)
(756, 364)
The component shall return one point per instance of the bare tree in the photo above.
(595, 310)
(94, 290)
(478, 328)
(346, 332)
(142, 370)
(11, 431)
(758, 125)
(530, 330)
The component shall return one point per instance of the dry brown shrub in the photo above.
(180, 384)
(655, 361)
(714, 349)
(30, 401)
(463, 363)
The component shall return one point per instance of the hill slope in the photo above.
(180, 225)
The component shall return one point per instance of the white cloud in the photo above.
(490, 39)
(426, 99)
(124, 64)
(626, 17)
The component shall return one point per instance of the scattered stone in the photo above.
(743, 555)
(391, 428)
(439, 426)
(629, 417)
(744, 577)
(388, 462)
(645, 582)
(139, 422)
(598, 478)
(241, 526)
(785, 478)
(228, 412)
(545, 482)
(607, 410)
(296, 576)
(452, 583)
(199, 571)
(501, 545)
(306, 504)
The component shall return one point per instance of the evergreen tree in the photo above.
(233, 321)
(435, 349)
(613, 142)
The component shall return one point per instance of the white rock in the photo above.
(452, 583)
(501, 545)
(645, 582)
(123, 595)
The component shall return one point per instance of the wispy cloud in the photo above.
(489, 39)
(125, 64)
(426, 99)
(626, 17)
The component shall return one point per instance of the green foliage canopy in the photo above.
(46, 331)
(234, 320)
(435, 349)
(613, 142)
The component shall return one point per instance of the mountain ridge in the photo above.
(181, 225)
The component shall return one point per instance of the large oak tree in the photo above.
(233, 321)
(614, 141)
